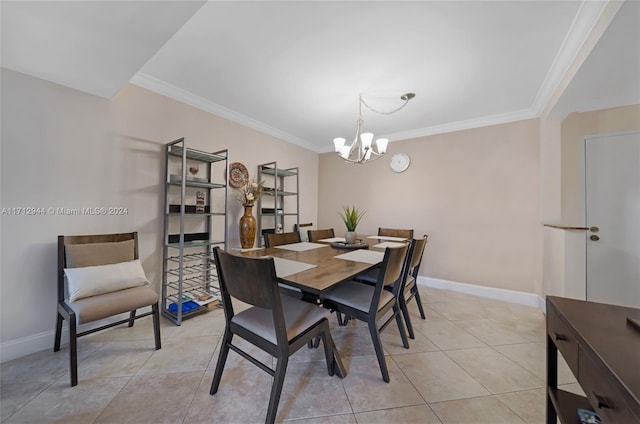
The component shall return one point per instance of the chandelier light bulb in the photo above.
(382, 145)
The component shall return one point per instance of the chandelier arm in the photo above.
(383, 113)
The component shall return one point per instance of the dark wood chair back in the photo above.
(315, 235)
(395, 232)
(274, 239)
(250, 280)
(418, 252)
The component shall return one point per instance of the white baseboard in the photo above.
(512, 296)
(18, 348)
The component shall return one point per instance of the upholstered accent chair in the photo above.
(278, 325)
(315, 235)
(275, 239)
(100, 276)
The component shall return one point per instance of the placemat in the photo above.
(286, 267)
(366, 256)
(333, 240)
(301, 247)
(389, 244)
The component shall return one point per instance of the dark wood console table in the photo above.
(602, 349)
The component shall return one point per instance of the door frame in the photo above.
(582, 256)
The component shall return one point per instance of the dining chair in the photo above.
(315, 235)
(394, 232)
(100, 276)
(371, 303)
(278, 239)
(278, 325)
(411, 284)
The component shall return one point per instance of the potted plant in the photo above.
(351, 216)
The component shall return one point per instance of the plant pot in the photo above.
(350, 237)
(247, 228)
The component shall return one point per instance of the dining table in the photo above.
(316, 267)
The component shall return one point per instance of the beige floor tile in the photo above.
(530, 405)
(480, 410)
(494, 371)
(492, 332)
(115, 359)
(242, 397)
(45, 366)
(353, 341)
(121, 374)
(572, 388)
(533, 357)
(62, 403)
(189, 354)
(329, 419)
(309, 391)
(460, 310)
(15, 396)
(437, 377)
(420, 414)
(446, 335)
(392, 342)
(367, 391)
(162, 398)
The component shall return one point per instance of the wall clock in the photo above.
(399, 162)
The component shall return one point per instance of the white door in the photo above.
(612, 185)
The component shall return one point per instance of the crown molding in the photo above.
(583, 25)
(587, 18)
(485, 121)
(161, 87)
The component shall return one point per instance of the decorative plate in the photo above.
(238, 175)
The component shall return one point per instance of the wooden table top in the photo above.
(328, 272)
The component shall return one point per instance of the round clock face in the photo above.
(399, 162)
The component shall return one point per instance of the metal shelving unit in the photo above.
(279, 204)
(191, 231)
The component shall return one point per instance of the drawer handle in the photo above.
(602, 401)
(560, 336)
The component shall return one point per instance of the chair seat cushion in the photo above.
(105, 305)
(356, 295)
(299, 316)
(370, 276)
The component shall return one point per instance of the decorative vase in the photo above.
(247, 228)
(350, 237)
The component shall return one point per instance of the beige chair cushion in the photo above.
(95, 280)
(357, 296)
(92, 254)
(105, 305)
(299, 316)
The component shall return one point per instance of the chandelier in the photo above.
(363, 149)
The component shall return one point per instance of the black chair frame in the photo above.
(393, 272)
(254, 281)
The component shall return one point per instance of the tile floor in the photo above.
(474, 360)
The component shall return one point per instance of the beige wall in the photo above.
(64, 148)
(474, 192)
(574, 128)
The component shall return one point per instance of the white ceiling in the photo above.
(294, 69)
